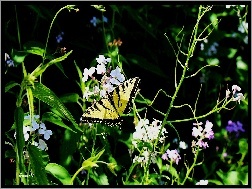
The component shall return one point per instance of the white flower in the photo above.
(202, 46)
(34, 117)
(87, 93)
(44, 131)
(101, 68)
(47, 134)
(88, 72)
(197, 131)
(235, 88)
(245, 40)
(102, 93)
(25, 132)
(108, 87)
(202, 182)
(238, 97)
(227, 93)
(183, 145)
(42, 145)
(148, 132)
(117, 75)
(103, 60)
(34, 126)
(208, 126)
(242, 27)
(96, 90)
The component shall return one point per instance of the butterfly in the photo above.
(109, 109)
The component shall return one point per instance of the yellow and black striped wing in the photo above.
(109, 110)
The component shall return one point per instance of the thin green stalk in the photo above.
(192, 166)
(18, 32)
(190, 52)
(44, 53)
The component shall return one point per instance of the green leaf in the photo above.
(68, 147)
(231, 178)
(159, 163)
(42, 67)
(71, 97)
(18, 56)
(173, 171)
(59, 172)
(10, 85)
(46, 95)
(61, 68)
(30, 102)
(60, 58)
(243, 177)
(19, 119)
(37, 165)
(232, 53)
(34, 47)
(81, 83)
(100, 179)
(214, 20)
(213, 61)
(55, 119)
(243, 146)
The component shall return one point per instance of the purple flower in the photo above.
(94, 21)
(173, 155)
(104, 19)
(59, 37)
(202, 134)
(234, 127)
(164, 156)
(9, 62)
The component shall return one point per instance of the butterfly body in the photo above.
(108, 110)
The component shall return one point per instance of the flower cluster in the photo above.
(30, 128)
(59, 37)
(173, 155)
(9, 62)
(236, 96)
(234, 127)
(144, 156)
(202, 134)
(109, 83)
(147, 133)
(96, 21)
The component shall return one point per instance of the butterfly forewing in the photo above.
(108, 110)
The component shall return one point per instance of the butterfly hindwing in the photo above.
(108, 110)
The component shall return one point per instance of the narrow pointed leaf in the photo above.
(59, 172)
(47, 96)
(38, 168)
